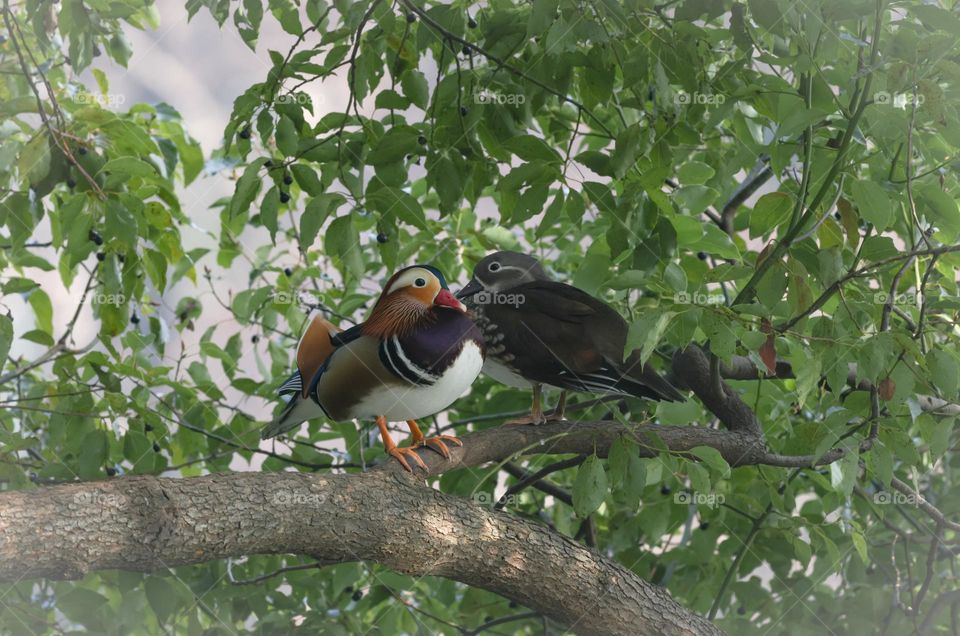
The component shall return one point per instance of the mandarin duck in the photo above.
(542, 332)
(416, 353)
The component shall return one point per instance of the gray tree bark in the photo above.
(149, 523)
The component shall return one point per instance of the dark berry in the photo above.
(411, 17)
(147, 428)
(82, 151)
(101, 256)
(284, 197)
(464, 110)
(71, 184)
(705, 525)
(382, 237)
(471, 23)
(287, 271)
(268, 163)
(357, 595)
(702, 256)
(95, 237)
(287, 179)
(254, 338)
(156, 447)
(135, 319)
(348, 589)
(111, 471)
(664, 490)
(741, 610)
(422, 140)
(466, 50)
(245, 133)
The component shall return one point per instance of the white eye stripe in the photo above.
(410, 279)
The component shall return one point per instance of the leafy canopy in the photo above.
(610, 139)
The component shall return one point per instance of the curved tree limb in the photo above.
(149, 523)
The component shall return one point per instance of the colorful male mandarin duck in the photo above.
(542, 332)
(415, 355)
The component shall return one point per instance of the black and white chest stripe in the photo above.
(397, 362)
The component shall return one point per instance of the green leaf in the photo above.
(92, 454)
(532, 148)
(542, 16)
(313, 217)
(860, 543)
(343, 240)
(6, 338)
(121, 223)
(395, 201)
(43, 309)
(873, 203)
(34, 161)
(394, 146)
(306, 178)
(645, 333)
(770, 211)
(129, 166)
(415, 88)
(843, 473)
(941, 209)
(247, 187)
(712, 458)
(268, 211)
(625, 153)
(590, 487)
(695, 173)
(287, 137)
(945, 372)
(162, 597)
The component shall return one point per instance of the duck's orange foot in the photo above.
(398, 452)
(438, 444)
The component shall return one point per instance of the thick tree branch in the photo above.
(148, 523)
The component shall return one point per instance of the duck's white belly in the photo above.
(411, 402)
(505, 375)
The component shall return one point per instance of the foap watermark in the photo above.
(115, 300)
(105, 99)
(889, 498)
(294, 98)
(487, 499)
(98, 498)
(684, 98)
(685, 498)
(898, 100)
(485, 96)
(697, 298)
(284, 297)
(906, 298)
(292, 498)
(498, 298)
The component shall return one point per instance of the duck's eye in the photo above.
(420, 282)
(494, 267)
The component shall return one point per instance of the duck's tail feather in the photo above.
(297, 411)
